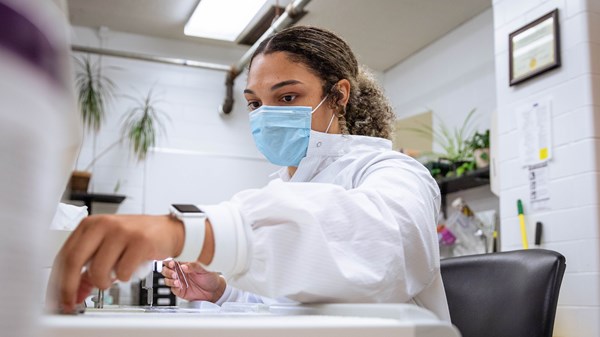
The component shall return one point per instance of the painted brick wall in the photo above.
(571, 222)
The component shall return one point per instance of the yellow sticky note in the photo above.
(544, 153)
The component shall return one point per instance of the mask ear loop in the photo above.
(330, 122)
(319, 105)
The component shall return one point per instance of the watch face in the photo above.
(187, 208)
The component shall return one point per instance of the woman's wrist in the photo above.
(178, 234)
(220, 290)
(178, 230)
(208, 248)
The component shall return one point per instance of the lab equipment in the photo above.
(148, 284)
(145, 272)
(183, 283)
(152, 291)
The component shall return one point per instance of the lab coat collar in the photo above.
(324, 149)
(322, 144)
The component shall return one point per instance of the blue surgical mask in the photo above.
(281, 133)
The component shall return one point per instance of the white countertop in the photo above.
(348, 320)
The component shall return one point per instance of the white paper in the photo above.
(539, 193)
(67, 217)
(534, 128)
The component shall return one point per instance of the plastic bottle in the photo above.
(468, 230)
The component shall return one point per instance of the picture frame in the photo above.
(534, 48)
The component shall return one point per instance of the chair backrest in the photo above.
(508, 294)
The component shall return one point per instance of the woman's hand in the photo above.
(111, 246)
(202, 285)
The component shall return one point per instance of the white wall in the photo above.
(571, 222)
(195, 132)
(451, 76)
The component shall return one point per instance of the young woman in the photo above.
(348, 219)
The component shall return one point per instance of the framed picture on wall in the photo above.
(534, 48)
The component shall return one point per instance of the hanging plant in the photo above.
(94, 92)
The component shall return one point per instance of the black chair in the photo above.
(508, 294)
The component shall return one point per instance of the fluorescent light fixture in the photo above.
(222, 19)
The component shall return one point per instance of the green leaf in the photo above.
(94, 92)
(141, 123)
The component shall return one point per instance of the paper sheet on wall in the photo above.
(534, 128)
(539, 193)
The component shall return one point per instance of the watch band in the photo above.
(194, 238)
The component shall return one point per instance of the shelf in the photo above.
(468, 180)
(472, 179)
(88, 198)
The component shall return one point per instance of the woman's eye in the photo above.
(252, 105)
(288, 98)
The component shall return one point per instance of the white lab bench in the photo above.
(348, 320)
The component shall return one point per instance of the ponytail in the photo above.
(368, 112)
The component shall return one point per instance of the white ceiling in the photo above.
(381, 32)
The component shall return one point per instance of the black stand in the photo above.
(88, 198)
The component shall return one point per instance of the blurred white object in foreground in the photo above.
(40, 133)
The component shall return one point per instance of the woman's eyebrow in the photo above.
(276, 86)
(284, 83)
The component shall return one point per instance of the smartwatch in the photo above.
(194, 222)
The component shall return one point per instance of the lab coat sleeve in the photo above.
(232, 294)
(315, 242)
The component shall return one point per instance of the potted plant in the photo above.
(94, 91)
(141, 124)
(457, 154)
(480, 143)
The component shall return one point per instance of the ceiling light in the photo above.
(222, 19)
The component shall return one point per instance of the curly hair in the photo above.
(367, 112)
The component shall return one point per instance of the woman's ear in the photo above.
(344, 88)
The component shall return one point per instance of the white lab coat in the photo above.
(355, 223)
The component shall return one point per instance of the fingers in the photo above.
(172, 277)
(134, 255)
(85, 288)
(117, 242)
(105, 260)
(77, 251)
(168, 270)
(178, 292)
(192, 267)
(173, 283)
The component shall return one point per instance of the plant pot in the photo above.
(80, 181)
(482, 157)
